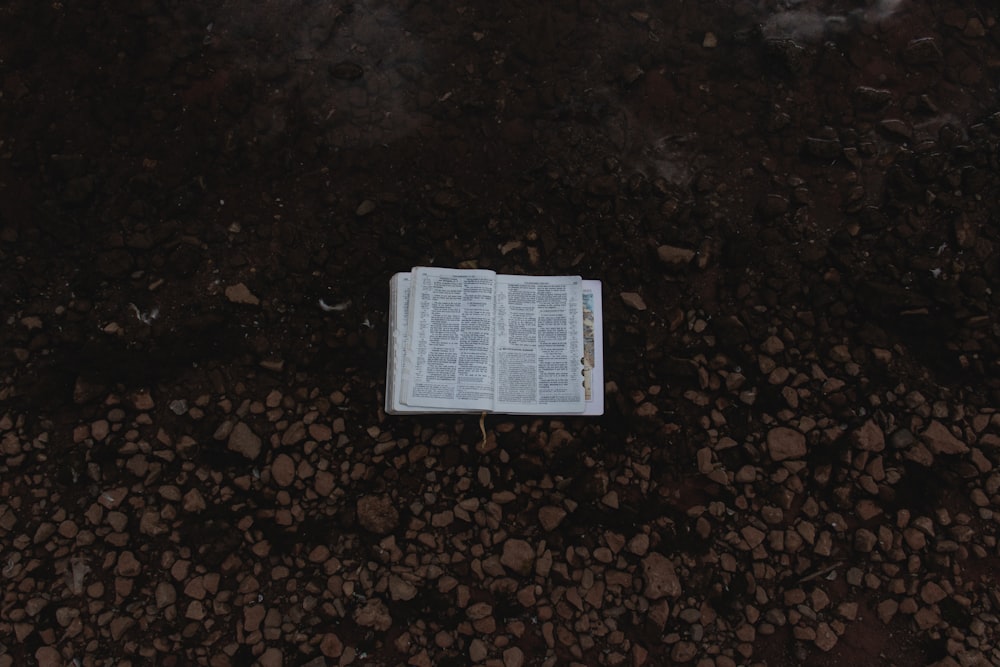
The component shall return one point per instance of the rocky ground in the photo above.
(792, 206)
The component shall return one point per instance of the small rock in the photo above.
(128, 566)
(785, 443)
(932, 593)
(919, 454)
(240, 293)
(895, 128)
(639, 544)
(710, 41)
(926, 618)
(675, 257)
(826, 638)
(272, 657)
(772, 346)
(518, 556)
(633, 300)
(331, 646)
(143, 401)
(869, 437)
(684, 652)
(479, 610)
(283, 470)
(400, 589)
(871, 99)
(373, 614)
(865, 540)
(377, 514)
(704, 459)
(48, 656)
(887, 609)
(513, 657)
(193, 501)
(550, 517)
(922, 51)
(166, 595)
(364, 208)
(752, 536)
(901, 438)
(478, 650)
(941, 441)
(244, 441)
(661, 580)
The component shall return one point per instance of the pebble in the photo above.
(869, 437)
(127, 565)
(785, 443)
(331, 646)
(400, 589)
(638, 544)
(826, 638)
(661, 579)
(550, 517)
(373, 614)
(240, 293)
(283, 470)
(377, 514)
(165, 594)
(48, 656)
(243, 440)
(365, 208)
(940, 440)
(518, 556)
(513, 657)
(633, 300)
(674, 257)
(272, 657)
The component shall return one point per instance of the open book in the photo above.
(474, 341)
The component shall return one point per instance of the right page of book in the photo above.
(538, 345)
(593, 347)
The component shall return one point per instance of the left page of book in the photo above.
(448, 359)
(399, 309)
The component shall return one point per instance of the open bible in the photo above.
(477, 341)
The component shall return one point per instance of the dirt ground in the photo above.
(792, 206)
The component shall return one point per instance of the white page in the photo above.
(593, 347)
(539, 345)
(449, 352)
(398, 319)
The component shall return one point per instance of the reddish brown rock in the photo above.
(243, 440)
(377, 514)
(283, 470)
(550, 517)
(869, 437)
(785, 443)
(940, 440)
(373, 614)
(331, 646)
(518, 556)
(661, 580)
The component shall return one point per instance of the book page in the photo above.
(593, 347)
(539, 344)
(399, 288)
(449, 354)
